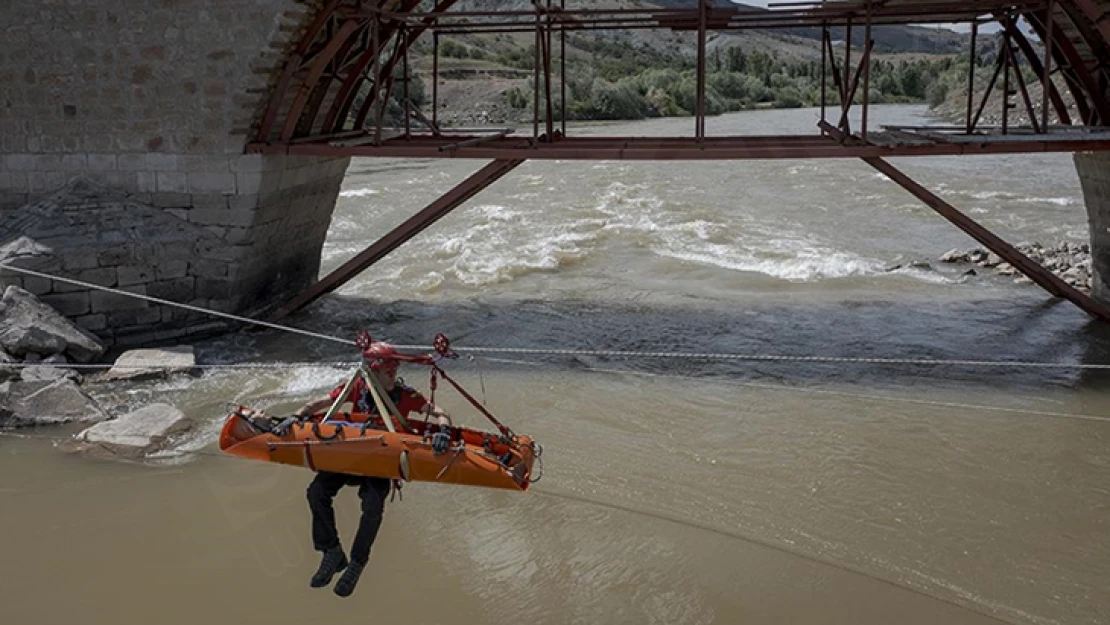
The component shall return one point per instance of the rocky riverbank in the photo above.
(1070, 261)
(40, 386)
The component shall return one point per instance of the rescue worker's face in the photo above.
(387, 377)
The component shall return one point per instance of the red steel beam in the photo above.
(868, 44)
(1023, 89)
(1061, 60)
(291, 67)
(971, 76)
(864, 63)
(345, 98)
(974, 121)
(738, 148)
(347, 30)
(699, 106)
(402, 233)
(1038, 274)
(1096, 15)
(1085, 88)
(1043, 70)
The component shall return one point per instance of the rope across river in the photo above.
(543, 351)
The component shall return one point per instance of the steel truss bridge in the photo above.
(363, 46)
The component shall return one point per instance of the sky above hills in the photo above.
(961, 28)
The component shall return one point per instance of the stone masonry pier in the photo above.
(154, 100)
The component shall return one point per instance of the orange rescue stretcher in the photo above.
(395, 447)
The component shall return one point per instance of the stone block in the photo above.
(131, 162)
(136, 317)
(152, 363)
(221, 305)
(134, 274)
(179, 290)
(238, 236)
(171, 269)
(146, 182)
(12, 200)
(201, 268)
(114, 257)
(287, 180)
(48, 162)
(74, 162)
(108, 302)
(19, 182)
(207, 182)
(168, 199)
(222, 217)
(249, 163)
(79, 259)
(69, 304)
(210, 200)
(92, 323)
(102, 162)
(249, 183)
(136, 432)
(217, 250)
(173, 181)
(37, 286)
(213, 288)
(161, 162)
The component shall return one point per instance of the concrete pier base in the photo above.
(1094, 178)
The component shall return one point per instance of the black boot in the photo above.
(334, 561)
(346, 584)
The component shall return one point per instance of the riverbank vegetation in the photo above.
(619, 81)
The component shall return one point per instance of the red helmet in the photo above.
(381, 356)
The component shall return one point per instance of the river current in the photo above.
(675, 490)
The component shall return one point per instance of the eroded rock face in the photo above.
(136, 432)
(46, 402)
(27, 326)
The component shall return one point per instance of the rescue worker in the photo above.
(382, 362)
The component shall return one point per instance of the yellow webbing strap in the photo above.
(342, 398)
(380, 398)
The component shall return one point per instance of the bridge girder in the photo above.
(359, 48)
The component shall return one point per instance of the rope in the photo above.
(265, 365)
(768, 357)
(157, 300)
(560, 352)
(904, 400)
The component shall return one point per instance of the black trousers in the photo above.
(323, 489)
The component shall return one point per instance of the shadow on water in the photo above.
(1030, 329)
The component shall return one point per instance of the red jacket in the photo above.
(405, 398)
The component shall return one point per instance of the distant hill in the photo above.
(887, 38)
(486, 79)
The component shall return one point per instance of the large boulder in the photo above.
(22, 247)
(46, 403)
(29, 326)
(151, 363)
(136, 432)
(7, 371)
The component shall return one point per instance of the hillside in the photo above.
(888, 39)
(486, 79)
